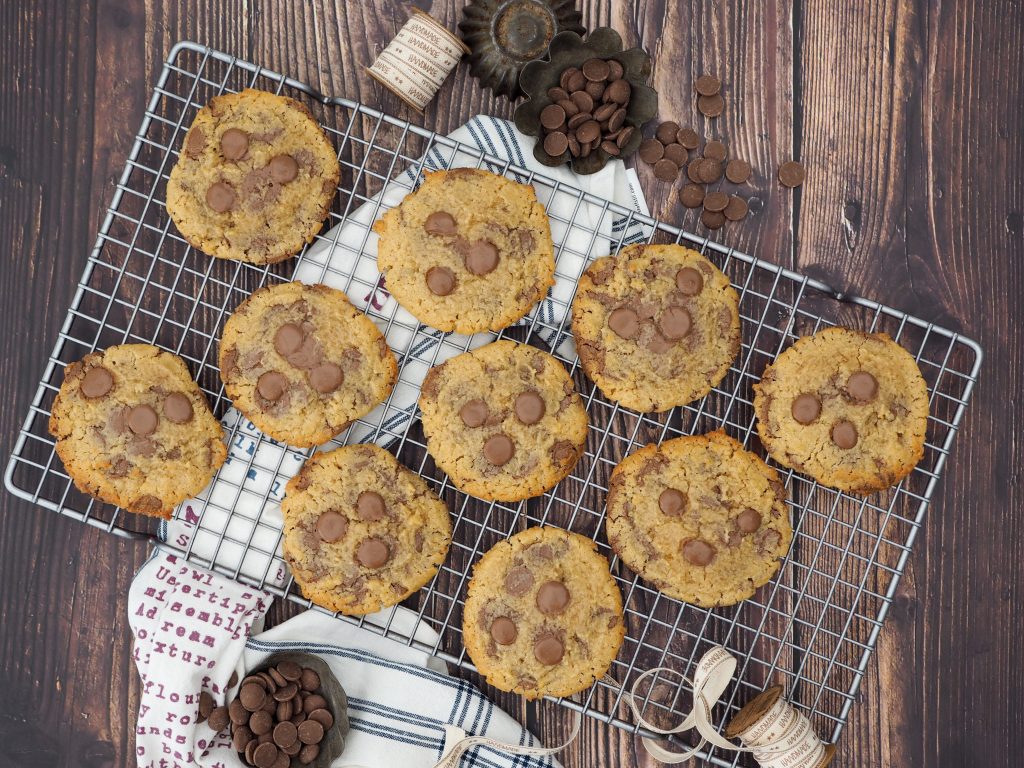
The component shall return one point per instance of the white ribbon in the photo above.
(457, 743)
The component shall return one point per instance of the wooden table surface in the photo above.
(908, 117)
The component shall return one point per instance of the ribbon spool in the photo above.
(418, 60)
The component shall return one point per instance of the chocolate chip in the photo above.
(440, 223)
(261, 722)
(805, 408)
(619, 91)
(285, 693)
(737, 171)
(552, 116)
(373, 553)
(97, 382)
(666, 170)
(552, 598)
(309, 753)
(265, 755)
(672, 502)
(241, 738)
(666, 132)
(234, 143)
(499, 449)
(195, 142)
(440, 281)
(142, 420)
(556, 143)
(312, 702)
(791, 174)
(712, 219)
(711, 106)
(844, 434)
(529, 407)
(220, 197)
(674, 323)
(326, 378)
(567, 74)
(283, 168)
(715, 150)
(677, 154)
(716, 201)
(482, 257)
(569, 106)
(272, 385)
(624, 136)
(519, 580)
(576, 81)
(218, 719)
(548, 649)
(610, 147)
(370, 506)
(595, 70)
(862, 386)
(579, 119)
(474, 413)
(689, 281)
(574, 146)
(311, 732)
(688, 138)
(285, 734)
(504, 631)
(595, 90)
(557, 94)
(736, 209)
(709, 170)
(331, 526)
(624, 322)
(708, 85)
(284, 711)
(603, 112)
(323, 717)
(310, 680)
(749, 520)
(252, 696)
(206, 705)
(651, 151)
(583, 101)
(177, 408)
(589, 131)
(698, 552)
(237, 712)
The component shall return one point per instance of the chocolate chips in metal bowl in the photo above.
(588, 102)
(290, 711)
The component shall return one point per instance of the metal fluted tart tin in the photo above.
(568, 49)
(504, 35)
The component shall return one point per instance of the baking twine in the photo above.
(418, 60)
(780, 737)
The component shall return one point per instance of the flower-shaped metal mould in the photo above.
(503, 35)
(568, 49)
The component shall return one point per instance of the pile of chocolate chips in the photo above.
(278, 715)
(588, 112)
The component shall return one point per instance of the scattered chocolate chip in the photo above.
(651, 151)
(708, 85)
(610, 147)
(474, 413)
(567, 74)
(712, 219)
(323, 717)
(737, 171)
(265, 755)
(252, 696)
(370, 506)
(736, 209)
(97, 382)
(710, 170)
(791, 174)
(615, 70)
(805, 408)
(285, 693)
(504, 631)
(595, 70)
(666, 170)
(552, 116)
(844, 434)
(440, 223)
(666, 132)
(326, 378)
(862, 386)
(482, 256)
(617, 120)
(548, 650)
(556, 143)
(518, 580)
(241, 738)
(674, 323)
(311, 732)
(373, 553)
(579, 119)
(689, 281)
(220, 197)
(676, 153)
(577, 80)
(589, 131)
(584, 101)
(310, 680)
(237, 712)
(331, 526)
(529, 407)
(440, 281)
(283, 168)
(284, 711)
(595, 90)
(603, 112)
(552, 598)
(698, 552)
(261, 722)
(711, 106)
(218, 719)
(715, 150)
(206, 705)
(688, 138)
(499, 449)
(309, 753)
(672, 502)
(619, 92)
(285, 734)
(234, 143)
(716, 201)
(624, 322)
(312, 702)
(569, 107)
(142, 420)
(177, 408)
(557, 93)
(272, 385)
(693, 172)
(692, 196)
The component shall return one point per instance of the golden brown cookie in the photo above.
(848, 408)
(543, 615)
(655, 326)
(504, 421)
(362, 532)
(254, 180)
(468, 251)
(699, 517)
(301, 362)
(133, 429)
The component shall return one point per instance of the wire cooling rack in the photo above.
(812, 628)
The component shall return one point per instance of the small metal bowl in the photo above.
(569, 50)
(333, 743)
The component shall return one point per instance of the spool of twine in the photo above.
(418, 60)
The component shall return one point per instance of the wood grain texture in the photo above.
(909, 118)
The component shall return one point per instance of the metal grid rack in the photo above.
(812, 628)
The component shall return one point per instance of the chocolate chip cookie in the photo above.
(301, 362)
(504, 421)
(362, 532)
(656, 326)
(254, 180)
(847, 408)
(699, 517)
(133, 429)
(543, 616)
(468, 251)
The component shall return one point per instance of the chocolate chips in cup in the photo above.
(279, 718)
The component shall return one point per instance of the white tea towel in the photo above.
(192, 630)
(239, 532)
